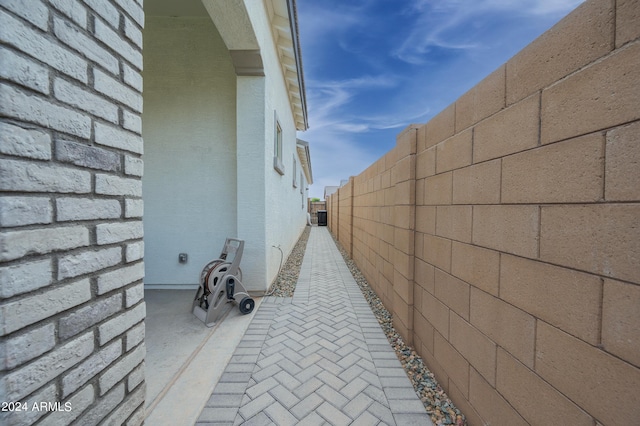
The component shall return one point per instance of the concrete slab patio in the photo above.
(184, 359)
(317, 358)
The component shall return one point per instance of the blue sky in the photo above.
(372, 67)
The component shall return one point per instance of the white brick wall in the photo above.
(132, 77)
(26, 311)
(116, 138)
(134, 295)
(109, 37)
(81, 43)
(22, 381)
(86, 262)
(25, 347)
(29, 41)
(115, 185)
(90, 367)
(25, 277)
(132, 122)
(37, 13)
(23, 71)
(83, 318)
(109, 233)
(133, 166)
(121, 323)
(135, 336)
(119, 416)
(24, 143)
(136, 377)
(16, 244)
(79, 402)
(134, 252)
(20, 211)
(23, 106)
(120, 278)
(133, 208)
(105, 10)
(121, 369)
(133, 9)
(117, 91)
(75, 96)
(71, 295)
(102, 408)
(133, 33)
(36, 177)
(28, 417)
(87, 209)
(73, 10)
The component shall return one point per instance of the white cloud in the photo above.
(335, 155)
(329, 99)
(447, 24)
(353, 120)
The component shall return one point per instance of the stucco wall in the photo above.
(71, 296)
(284, 210)
(189, 128)
(503, 235)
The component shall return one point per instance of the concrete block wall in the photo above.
(525, 230)
(345, 215)
(71, 250)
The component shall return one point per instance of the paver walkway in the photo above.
(317, 358)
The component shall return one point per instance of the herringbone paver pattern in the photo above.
(319, 358)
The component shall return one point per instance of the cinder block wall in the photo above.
(345, 213)
(520, 246)
(71, 296)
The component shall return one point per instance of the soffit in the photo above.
(284, 30)
(305, 159)
(184, 8)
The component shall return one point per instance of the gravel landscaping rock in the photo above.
(285, 283)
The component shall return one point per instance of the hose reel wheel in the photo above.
(246, 305)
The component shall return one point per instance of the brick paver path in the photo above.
(318, 358)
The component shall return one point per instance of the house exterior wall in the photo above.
(282, 211)
(503, 235)
(71, 299)
(285, 210)
(210, 136)
(250, 187)
(189, 128)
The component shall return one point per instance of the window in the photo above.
(302, 185)
(295, 175)
(277, 147)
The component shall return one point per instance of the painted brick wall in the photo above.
(71, 299)
(504, 235)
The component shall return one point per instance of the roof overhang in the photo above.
(284, 29)
(305, 159)
(233, 22)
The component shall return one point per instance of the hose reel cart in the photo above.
(221, 284)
